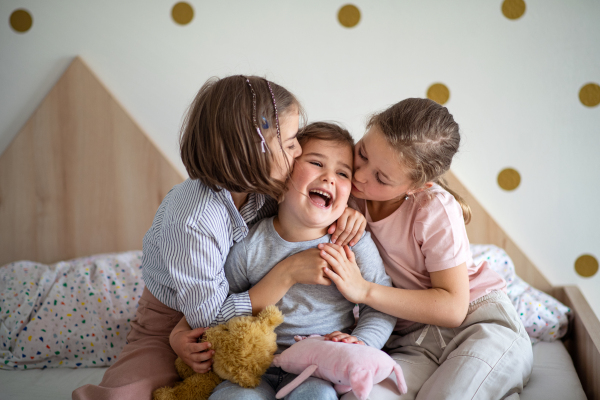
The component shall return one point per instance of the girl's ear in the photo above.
(424, 187)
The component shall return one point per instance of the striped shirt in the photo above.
(185, 249)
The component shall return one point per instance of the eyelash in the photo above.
(361, 155)
(318, 164)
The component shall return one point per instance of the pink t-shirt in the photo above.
(427, 234)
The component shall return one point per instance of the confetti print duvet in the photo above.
(545, 318)
(69, 314)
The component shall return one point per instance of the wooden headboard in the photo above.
(81, 178)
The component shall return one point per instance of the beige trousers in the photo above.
(488, 357)
(146, 363)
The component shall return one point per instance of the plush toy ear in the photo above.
(361, 381)
(400, 379)
(271, 316)
(287, 389)
(342, 389)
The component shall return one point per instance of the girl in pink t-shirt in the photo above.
(458, 335)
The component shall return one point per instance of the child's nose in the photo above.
(329, 177)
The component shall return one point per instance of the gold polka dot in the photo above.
(439, 93)
(21, 20)
(349, 16)
(182, 13)
(586, 265)
(513, 9)
(509, 179)
(589, 95)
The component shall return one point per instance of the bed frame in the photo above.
(82, 178)
(583, 339)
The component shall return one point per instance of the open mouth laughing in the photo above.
(320, 198)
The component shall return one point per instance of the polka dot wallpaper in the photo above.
(21, 21)
(439, 93)
(349, 16)
(521, 78)
(590, 95)
(513, 9)
(509, 179)
(182, 13)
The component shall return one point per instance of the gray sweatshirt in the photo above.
(309, 309)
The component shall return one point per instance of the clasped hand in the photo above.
(344, 272)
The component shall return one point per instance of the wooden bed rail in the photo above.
(583, 340)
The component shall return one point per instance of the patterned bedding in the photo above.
(69, 314)
(76, 313)
(545, 318)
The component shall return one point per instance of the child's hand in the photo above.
(307, 267)
(349, 228)
(184, 342)
(344, 272)
(338, 336)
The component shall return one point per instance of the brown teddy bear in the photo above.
(244, 348)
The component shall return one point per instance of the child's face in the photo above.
(378, 174)
(320, 183)
(288, 128)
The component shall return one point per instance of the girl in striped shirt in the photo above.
(238, 144)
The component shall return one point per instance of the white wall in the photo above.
(514, 86)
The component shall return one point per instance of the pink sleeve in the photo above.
(440, 230)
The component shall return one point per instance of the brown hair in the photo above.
(219, 143)
(426, 138)
(327, 131)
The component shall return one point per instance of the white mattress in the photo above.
(553, 377)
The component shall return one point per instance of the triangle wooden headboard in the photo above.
(80, 178)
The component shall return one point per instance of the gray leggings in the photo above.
(273, 380)
(488, 357)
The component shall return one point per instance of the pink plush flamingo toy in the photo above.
(348, 366)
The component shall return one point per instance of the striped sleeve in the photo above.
(235, 270)
(195, 263)
(236, 305)
(268, 209)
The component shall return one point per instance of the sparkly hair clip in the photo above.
(265, 123)
(276, 116)
(263, 144)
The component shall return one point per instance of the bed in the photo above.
(81, 181)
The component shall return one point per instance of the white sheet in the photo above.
(554, 377)
(46, 384)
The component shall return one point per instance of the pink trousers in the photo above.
(147, 362)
